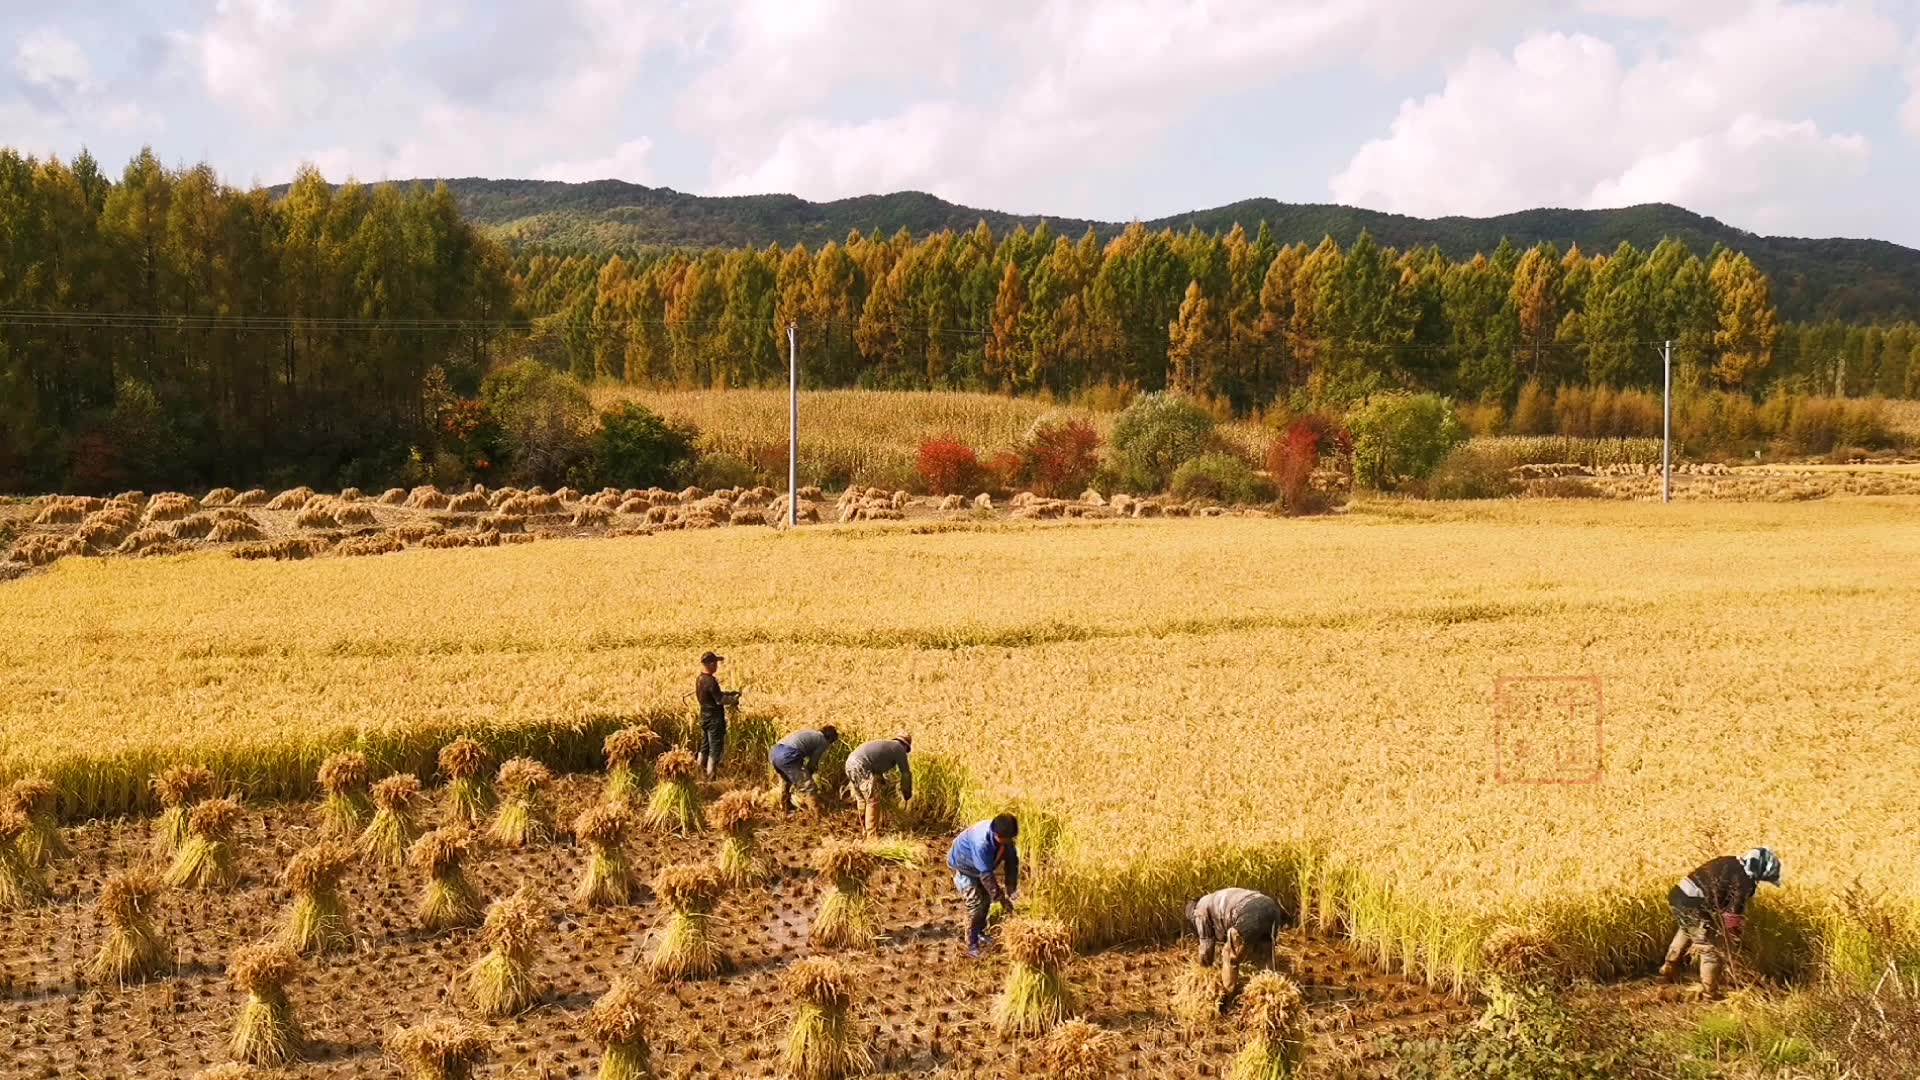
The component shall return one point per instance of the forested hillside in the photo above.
(1229, 315)
(1849, 280)
(161, 329)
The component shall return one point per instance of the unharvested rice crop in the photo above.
(1359, 668)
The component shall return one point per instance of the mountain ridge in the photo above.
(1856, 280)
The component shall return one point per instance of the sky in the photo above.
(1776, 116)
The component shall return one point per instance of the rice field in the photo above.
(1315, 705)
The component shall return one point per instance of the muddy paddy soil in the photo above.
(926, 1005)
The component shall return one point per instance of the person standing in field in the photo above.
(1239, 924)
(797, 758)
(979, 855)
(867, 769)
(713, 712)
(1710, 905)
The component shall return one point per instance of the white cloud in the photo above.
(1713, 118)
(1910, 112)
(52, 61)
(1095, 83)
(630, 161)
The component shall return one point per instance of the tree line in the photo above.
(163, 327)
(1226, 316)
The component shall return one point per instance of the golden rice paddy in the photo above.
(1314, 704)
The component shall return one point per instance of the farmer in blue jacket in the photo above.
(978, 855)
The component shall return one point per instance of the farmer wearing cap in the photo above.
(867, 769)
(1711, 907)
(713, 712)
(797, 758)
(1244, 921)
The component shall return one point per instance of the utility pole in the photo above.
(1666, 426)
(793, 424)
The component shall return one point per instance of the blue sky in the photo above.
(1778, 116)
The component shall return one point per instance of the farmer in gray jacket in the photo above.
(797, 758)
(1244, 921)
(867, 769)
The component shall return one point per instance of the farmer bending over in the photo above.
(1711, 906)
(1244, 921)
(797, 757)
(713, 712)
(867, 769)
(977, 855)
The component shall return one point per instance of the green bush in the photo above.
(723, 470)
(543, 417)
(1399, 437)
(635, 448)
(1469, 473)
(1221, 477)
(1156, 434)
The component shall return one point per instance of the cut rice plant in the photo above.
(469, 796)
(500, 984)
(1036, 997)
(441, 1048)
(267, 1033)
(618, 1022)
(685, 948)
(675, 805)
(396, 820)
(735, 815)
(608, 879)
(35, 798)
(22, 884)
(449, 900)
(524, 817)
(317, 920)
(845, 920)
(823, 1042)
(134, 948)
(205, 860)
(344, 807)
(1077, 1050)
(1196, 996)
(1518, 954)
(226, 1070)
(1274, 1013)
(178, 789)
(630, 753)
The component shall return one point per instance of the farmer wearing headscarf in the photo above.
(1710, 905)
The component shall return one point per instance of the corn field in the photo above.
(1307, 706)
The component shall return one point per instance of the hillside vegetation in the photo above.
(1850, 280)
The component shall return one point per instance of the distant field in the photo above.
(867, 435)
(1310, 701)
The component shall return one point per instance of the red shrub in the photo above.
(1007, 470)
(948, 466)
(1292, 459)
(1061, 457)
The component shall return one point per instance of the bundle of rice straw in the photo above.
(823, 1043)
(396, 824)
(267, 1033)
(134, 948)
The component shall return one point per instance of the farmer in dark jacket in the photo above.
(1711, 906)
(1244, 921)
(797, 757)
(867, 769)
(713, 713)
(977, 855)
